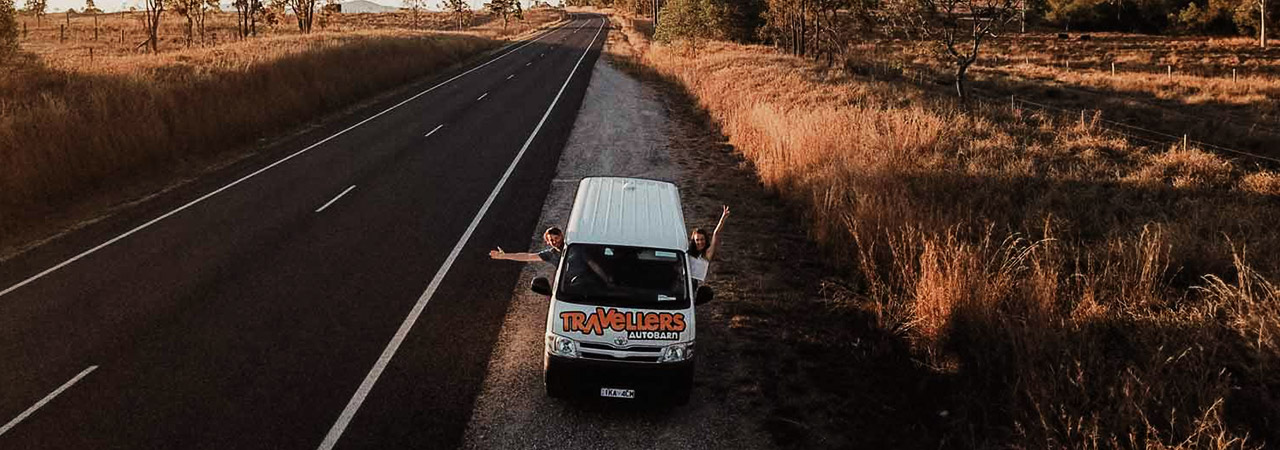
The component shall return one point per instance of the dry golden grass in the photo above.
(69, 126)
(73, 128)
(1202, 98)
(1079, 291)
(63, 42)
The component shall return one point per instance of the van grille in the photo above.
(608, 357)
(631, 349)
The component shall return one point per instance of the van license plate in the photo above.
(617, 393)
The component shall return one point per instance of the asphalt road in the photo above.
(274, 305)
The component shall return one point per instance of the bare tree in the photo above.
(304, 11)
(459, 9)
(195, 11)
(247, 13)
(788, 24)
(1262, 23)
(415, 8)
(956, 28)
(153, 10)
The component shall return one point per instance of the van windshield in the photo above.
(624, 277)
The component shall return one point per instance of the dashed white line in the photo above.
(511, 76)
(434, 131)
(389, 352)
(528, 63)
(344, 192)
(259, 171)
(486, 94)
(45, 400)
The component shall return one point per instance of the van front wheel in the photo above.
(553, 379)
(681, 388)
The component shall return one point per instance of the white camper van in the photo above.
(621, 322)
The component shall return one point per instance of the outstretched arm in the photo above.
(523, 257)
(715, 235)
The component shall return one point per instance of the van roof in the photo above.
(627, 211)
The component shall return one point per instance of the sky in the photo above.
(116, 5)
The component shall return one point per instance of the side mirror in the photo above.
(540, 285)
(704, 295)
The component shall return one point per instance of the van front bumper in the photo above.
(649, 380)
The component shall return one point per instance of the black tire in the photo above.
(553, 379)
(681, 389)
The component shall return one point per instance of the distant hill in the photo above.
(366, 6)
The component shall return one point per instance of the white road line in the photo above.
(390, 351)
(43, 401)
(434, 131)
(344, 192)
(486, 94)
(511, 76)
(264, 169)
(528, 63)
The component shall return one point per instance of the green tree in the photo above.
(506, 9)
(37, 8)
(690, 22)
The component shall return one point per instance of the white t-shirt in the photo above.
(699, 268)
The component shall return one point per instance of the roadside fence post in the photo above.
(1113, 68)
(95, 27)
(62, 33)
(90, 55)
(1184, 142)
(1233, 75)
(1171, 71)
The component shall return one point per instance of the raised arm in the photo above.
(715, 235)
(520, 256)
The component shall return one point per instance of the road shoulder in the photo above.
(622, 129)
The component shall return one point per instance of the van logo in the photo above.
(620, 341)
(637, 325)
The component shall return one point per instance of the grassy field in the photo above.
(1202, 97)
(74, 128)
(1010, 279)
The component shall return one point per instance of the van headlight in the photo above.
(561, 346)
(677, 352)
